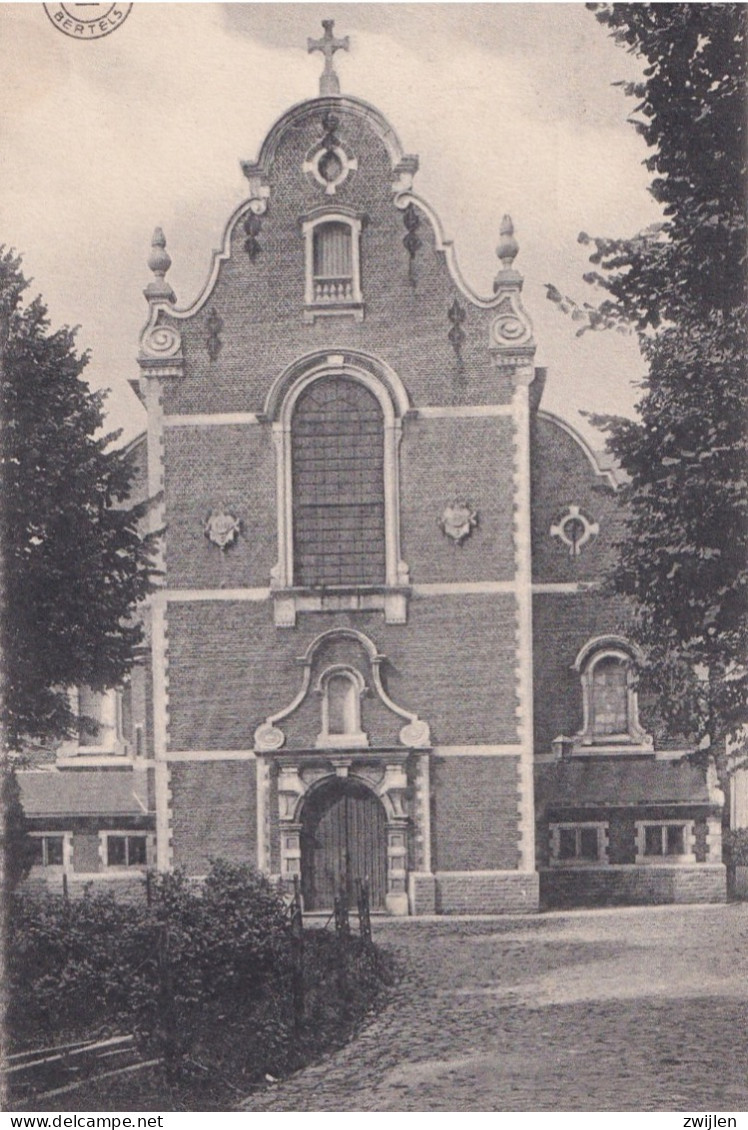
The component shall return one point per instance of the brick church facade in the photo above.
(380, 649)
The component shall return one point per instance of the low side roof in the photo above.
(618, 782)
(84, 792)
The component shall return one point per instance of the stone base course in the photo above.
(486, 892)
(632, 885)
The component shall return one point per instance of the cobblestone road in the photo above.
(631, 1009)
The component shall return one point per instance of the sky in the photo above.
(511, 108)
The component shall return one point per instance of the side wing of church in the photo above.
(380, 651)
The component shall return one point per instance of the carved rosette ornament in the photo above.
(161, 352)
(222, 528)
(416, 734)
(458, 521)
(268, 738)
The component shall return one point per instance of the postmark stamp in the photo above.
(87, 21)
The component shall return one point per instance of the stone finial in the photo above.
(159, 259)
(159, 262)
(328, 45)
(507, 247)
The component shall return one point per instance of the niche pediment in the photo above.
(341, 702)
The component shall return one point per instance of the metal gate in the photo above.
(343, 839)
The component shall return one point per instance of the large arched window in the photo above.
(337, 457)
(337, 424)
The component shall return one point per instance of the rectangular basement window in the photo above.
(47, 850)
(574, 844)
(665, 841)
(126, 850)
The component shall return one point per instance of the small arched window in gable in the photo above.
(333, 262)
(341, 689)
(333, 275)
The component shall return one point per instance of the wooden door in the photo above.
(344, 838)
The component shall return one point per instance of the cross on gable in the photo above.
(328, 45)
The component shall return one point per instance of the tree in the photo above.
(75, 564)
(681, 287)
(17, 846)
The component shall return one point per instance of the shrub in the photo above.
(735, 847)
(203, 976)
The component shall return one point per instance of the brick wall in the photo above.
(562, 475)
(497, 893)
(234, 467)
(86, 852)
(453, 664)
(474, 821)
(214, 813)
(622, 836)
(466, 459)
(631, 885)
(562, 624)
(125, 888)
(261, 302)
(213, 468)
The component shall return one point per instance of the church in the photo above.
(380, 649)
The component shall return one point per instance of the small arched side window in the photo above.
(607, 667)
(105, 723)
(341, 689)
(609, 697)
(99, 719)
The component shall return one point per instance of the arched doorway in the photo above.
(343, 839)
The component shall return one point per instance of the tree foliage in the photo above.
(681, 287)
(16, 843)
(74, 562)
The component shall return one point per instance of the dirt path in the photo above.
(631, 1009)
